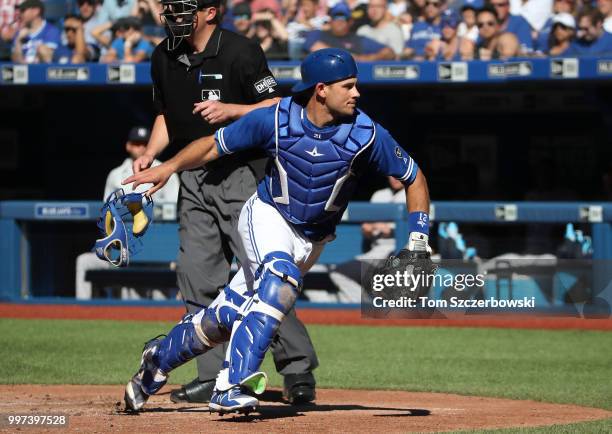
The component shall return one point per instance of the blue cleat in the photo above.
(148, 380)
(232, 400)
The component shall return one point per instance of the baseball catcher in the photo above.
(319, 145)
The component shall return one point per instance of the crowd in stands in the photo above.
(128, 30)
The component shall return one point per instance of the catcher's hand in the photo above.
(415, 270)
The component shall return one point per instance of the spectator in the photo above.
(130, 46)
(90, 15)
(542, 37)
(447, 47)
(9, 25)
(381, 28)
(468, 28)
(264, 5)
(106, 33)
(135, 147)
(340, 36)
(271, 36)
(149, 14)
(398, 7)
(242, 20)
(75, 48)
(492, 42)
(417, 10)
(562, 35)
(605, 7)
(112, 10)
(306, 20)
(593, 40)
(515, 24)
(35, 31)
(359, 12)
(535, 12)
(412, 14)
(424, 31)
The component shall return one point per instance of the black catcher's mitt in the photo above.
(413, 274)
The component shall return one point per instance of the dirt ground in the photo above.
(100, 409)
(307, 315)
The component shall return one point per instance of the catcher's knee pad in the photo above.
(216, 322)
(278, 290)
(179, 346)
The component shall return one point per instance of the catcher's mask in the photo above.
(179, 17)
(121, 235)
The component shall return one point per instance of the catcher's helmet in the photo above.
(325, 66)
(119, 238)
(179, 16)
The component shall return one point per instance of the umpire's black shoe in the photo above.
(195, 392)
(299, 388)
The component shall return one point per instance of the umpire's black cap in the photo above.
(208, 3)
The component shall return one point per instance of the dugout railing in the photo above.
(17, 218)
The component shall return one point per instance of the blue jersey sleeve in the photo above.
(254, 130)
(144, 46)
(390, 159)
(310, 39)
(117, 45)
(521, 28)
(370, 46)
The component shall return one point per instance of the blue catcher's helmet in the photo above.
(325, 66)
(121, 237)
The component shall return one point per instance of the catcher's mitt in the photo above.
(413, 274)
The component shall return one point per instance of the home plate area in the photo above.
(100, 408)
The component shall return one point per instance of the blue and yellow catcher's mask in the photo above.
(124, 219)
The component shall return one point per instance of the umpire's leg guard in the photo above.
(280, 283)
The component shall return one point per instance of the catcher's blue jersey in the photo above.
(312, 172)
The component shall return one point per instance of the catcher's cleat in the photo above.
(233, 400)
(147, 381)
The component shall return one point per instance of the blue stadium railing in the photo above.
(376, 73)
(163, 241)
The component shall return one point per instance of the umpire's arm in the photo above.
(196, 154)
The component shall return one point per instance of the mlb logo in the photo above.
(211, 95)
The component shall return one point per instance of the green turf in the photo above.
(597, 426)
(554, 366)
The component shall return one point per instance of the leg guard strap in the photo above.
(179, 346)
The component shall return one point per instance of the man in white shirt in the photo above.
(381, 28)
(135, 147)
(605, 7)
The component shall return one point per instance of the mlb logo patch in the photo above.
(211, 94)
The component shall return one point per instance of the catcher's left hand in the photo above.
(411, 263)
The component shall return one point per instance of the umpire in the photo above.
(204, 77)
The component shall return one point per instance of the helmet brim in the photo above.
(301, 87)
